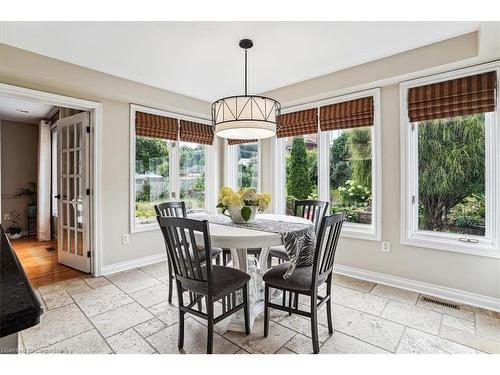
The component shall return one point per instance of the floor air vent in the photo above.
(49, 249)
(440, 302)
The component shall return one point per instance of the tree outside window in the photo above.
(301, 169)
(451, 175)
(351, 173)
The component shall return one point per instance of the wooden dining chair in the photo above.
(307, 280)
(202, 279)
(310, 209)
(178, 209)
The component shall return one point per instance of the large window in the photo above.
(351, 173)
(166, 168)
(248, 165)
(340, 166)
(301, 166)
(192, 175)
(450, 180)
(242, 165)
(152, 176)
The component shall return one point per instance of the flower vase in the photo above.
(243, 215)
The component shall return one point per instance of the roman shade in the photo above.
(350, 114)
(240, 141)
(298, 123)
(196, 132)
(456, 97)
(154, 126)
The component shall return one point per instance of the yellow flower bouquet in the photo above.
(242, 205)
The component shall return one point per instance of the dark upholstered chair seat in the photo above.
(301, 278)
(226, 280)
(279, 252)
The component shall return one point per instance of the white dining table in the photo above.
(238, 240)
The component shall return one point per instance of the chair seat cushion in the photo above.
(225, 281)
(300, 280)
(279, 252)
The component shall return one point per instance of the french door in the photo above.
(73, 191)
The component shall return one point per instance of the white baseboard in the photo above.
(133, 263)
(455, 295)
(451, 294)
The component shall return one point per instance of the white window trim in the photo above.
(350, 230)
(487, 246)
(231, 166)
(211, 167)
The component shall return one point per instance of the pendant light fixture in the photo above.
(245, 116)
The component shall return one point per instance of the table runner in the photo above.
(299, 239)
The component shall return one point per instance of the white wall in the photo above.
(470, 273)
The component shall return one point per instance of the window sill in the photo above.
(360, 231)
(145, 227)
(452, 245)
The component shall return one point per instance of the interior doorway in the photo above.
(47, 185)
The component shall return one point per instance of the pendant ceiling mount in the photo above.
(245, 116)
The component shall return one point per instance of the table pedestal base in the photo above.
(255, 286)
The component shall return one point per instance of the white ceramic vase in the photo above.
(237, 214)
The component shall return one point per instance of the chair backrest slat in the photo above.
(180, 235)
(171, 209)
(326, 246)
(311, 209)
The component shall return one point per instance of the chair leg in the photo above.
(296, 301)
(290, 295)
(284, 298)
(210, 325)
(329, 306)
(266, 310)
(170, 282)
(180, 343)
(314, 323)
(217, 259)
(246, 309)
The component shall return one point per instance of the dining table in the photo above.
(240, 238)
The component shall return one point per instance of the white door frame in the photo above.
(95, 151)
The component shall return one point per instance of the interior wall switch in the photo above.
(125, 238)
(386, 246)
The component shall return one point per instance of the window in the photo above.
(248, 165)
(350, 157)
(450, 172)
(152, 176)
(301, 169)
(174, 159)
(242, 165)
(192, 175)
(340, 166)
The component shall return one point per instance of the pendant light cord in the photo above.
(245, 72)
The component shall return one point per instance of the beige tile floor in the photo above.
(128, 313)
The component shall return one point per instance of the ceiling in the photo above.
(203, 60)
(10, 110)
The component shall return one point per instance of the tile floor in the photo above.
(128, 313)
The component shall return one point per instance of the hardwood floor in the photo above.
(39, 260)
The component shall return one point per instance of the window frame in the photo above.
(488, 245)
(231, 165)
(211, 167)
(349, 230)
